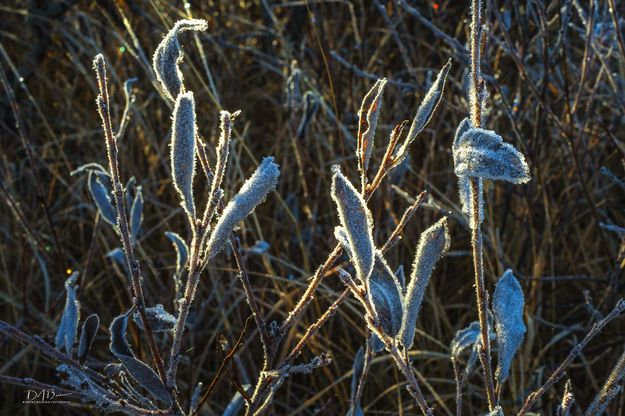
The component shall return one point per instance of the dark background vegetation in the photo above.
(556, 94)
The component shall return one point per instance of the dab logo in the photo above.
(45, 396)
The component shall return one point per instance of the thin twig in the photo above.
(575, 351)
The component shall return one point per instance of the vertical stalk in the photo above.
(120, 206)
(481, 293)
(476, 204)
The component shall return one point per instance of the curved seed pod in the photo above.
(182, 251)
(385, 295)
(66, 333)
(464, 339)
(367, 123)
(102, 199)
(508, 305)
(252, 193)
(141, 372)
(357, 222)
(87, 335)
(357, 368)
(183, 150)
(433, 245)
(195, 397)
(310, 108)
(424, 112)
(160, 320)
(168, 56)
(480, 153)
(136, 214)
(429, 103)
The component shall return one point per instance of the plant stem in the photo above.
(200, 231)
(120, 206)
(476, 204)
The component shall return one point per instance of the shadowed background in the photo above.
(298, 70)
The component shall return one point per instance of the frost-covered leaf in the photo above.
(130, 191)
(310, 108)
(252, 193)
(357, 222)
(465, 338)
(195, 397)
(463, 181)
(376, 343)
(182, 251)
(424, 112)
(480, 153)
(385, 295)
(136, 214)
(87, 335)
(261, 247)
(141, 372)
(508, 305)
(429, 103)
(159, 319)
(102, 197)
(90, 167)
(433, 244)
(357, 368)
(168, 56)
(401, 278)
(183, 150)
(66, 333)
(117, 254)
(367, 123)
(236, 403)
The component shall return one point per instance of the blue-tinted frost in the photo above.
(182, 251)
(183, 150)
(356, 220)
(159, 319)
(424, 112)
(508, 305)
(433, 245)
(136, 214)
(357, 368)
(252, 193)
(465, 338)
(102, 197)
(66, 333)
(368, 122)
(480, 153)
(87, 335)
(385, 294)
(168, 56)
(141, 372)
